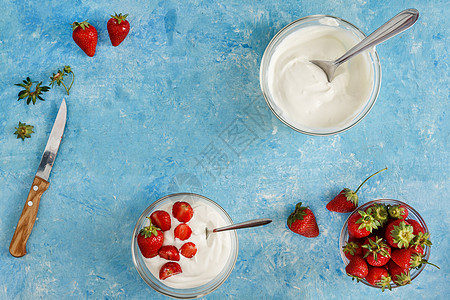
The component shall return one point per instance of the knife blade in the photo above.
(17, 248)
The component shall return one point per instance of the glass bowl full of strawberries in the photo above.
(171, 251)
(385, 244)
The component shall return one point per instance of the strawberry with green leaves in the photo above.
(398, 212)
(303, 221)
(361, 224)
(357, 268)
(347, 200)
(376, 252)
(150, 239)
(352, 249)
(379, 277)
(379, 212)
(85, 36)
(399, 275)
(399, 233)
(118, 28)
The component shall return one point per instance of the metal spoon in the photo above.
(246, 224)
(394, 26)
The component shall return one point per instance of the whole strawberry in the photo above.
(118, 28)
(357, 268)
(398, 212)
(399, 275)
(399, 233)
(303, 221)
(352, 248)
(376, 252)
(379, 277)
(85, 36)
(347, 200)
(150, 240)
(361, 224)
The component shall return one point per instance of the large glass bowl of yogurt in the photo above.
(215, 257)
(298, 92)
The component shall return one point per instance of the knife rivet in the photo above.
(30, 203)
(35, 188)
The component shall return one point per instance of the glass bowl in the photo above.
(291, 28)
(413, 214)
(156, 283)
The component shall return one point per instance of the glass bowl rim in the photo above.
(371, 100)
(203, 290)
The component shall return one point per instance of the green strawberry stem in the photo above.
(424, 261)
(368, 179)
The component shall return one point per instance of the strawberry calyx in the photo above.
(402, 234)
(298, 214)
(119, 17)
(367, 221)
(397, 212)
(422, 239)
(83, 25)
(384, 282)
(351, 196)
(24, 131)
(351, 248)
(379, 212)
(149, 230)
(402, 279)
(376, 247)
(31, 95)
(418, 260)
(58, 78)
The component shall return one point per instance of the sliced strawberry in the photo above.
(379, 277)
(182, 211)
(399, 233)
(188, 250)
(169, 253)
(161, 219)
(169, 269)
(357, 268)
(183, 232)
(398, 212)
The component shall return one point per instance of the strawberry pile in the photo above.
(151, 238)
(384, 245)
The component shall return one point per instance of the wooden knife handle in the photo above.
(27, 218)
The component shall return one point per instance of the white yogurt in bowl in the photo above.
(298, 92)
(215, 257)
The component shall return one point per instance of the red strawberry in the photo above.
(398, 212)
(169, 269)
(161, 219)
(376, 252)
(85, 36)
(360, 224)
(303, 221)
(169, 253)
(347, 200)
(357, 268)
(422, 239)
(416, 226)
(379, 212)
(183, 232)
(399, 275)
(352, 249)
(182, 211)
(399, 233)
(188, 250)
(402, 257)
(149, 240)
(118, 28)
(379, 277)
(416, 250)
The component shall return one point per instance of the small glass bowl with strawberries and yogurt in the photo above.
(211, 263)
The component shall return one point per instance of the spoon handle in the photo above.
(246, 224)
(394, 26)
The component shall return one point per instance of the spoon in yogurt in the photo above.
(246, 224)
(394, 26)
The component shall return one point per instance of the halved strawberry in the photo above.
(183, 232)
(379, 277)
(357, 268)
(161, 219)
(398, 212)
(399, 275)
(182, 211)
(169, 269)
(169, 253)
(376, 252)
(399, 233)
(188, 250)
(360, 224)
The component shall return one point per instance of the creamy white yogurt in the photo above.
(300, 90)
(212, 254)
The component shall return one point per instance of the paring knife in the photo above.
(40, 184)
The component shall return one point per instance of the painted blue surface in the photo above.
(177, 107)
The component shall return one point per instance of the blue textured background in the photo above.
(177, 107)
